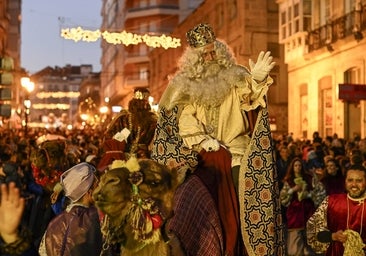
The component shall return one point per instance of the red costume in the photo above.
(337, 212)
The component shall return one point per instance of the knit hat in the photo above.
(77, 180)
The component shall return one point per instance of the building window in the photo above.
(295, 16)
(283, 18)
(352, 76)
(142, 50)
(326, 110)
(304, 115)
(219, 15)
(233, 9)
(143, 73)
(327, 102)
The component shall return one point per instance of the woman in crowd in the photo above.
(297, 196)
(334, 178)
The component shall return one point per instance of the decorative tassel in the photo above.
(140, 222)
(143, 226)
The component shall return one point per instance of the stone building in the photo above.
(126, 67)
(55, 99)
(325, 53)
(10, 20)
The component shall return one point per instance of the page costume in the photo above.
(337, 212)
(130, 132)
(76, 231)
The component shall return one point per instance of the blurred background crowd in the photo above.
(323, 160)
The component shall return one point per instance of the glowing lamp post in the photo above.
(28, 85)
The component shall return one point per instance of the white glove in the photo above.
(264, 65)
(122, 135)
(210, 145)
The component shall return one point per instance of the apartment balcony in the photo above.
(352, 24)
(150, 10)
(136, 58)
(137, 79)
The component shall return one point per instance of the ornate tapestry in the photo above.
(260, 211)
(168, 148)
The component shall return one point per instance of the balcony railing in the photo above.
(353, 23)
(152, 7)
(154, 4)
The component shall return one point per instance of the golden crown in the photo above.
(200, 35)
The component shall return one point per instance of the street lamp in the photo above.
(28, 85)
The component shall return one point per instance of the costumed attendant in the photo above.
(75, 231)
(130, 132)
(207, 105)
(338, 225)
(297, 196)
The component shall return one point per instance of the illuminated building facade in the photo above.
(324, 50)
(55, 99)
(125, 68)
(10, 20)
(90, 101)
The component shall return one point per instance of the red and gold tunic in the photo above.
(337, 212)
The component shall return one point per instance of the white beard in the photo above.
(204, 83)
(211, 88)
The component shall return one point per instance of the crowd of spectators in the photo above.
(323, 166)
(19, 157)
(324, 160)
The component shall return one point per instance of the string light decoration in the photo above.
(55, 95)
(125, 38)
(51, 106)
(59, 95)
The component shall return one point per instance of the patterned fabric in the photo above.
(319, 192)
(317, 223)
(260, 210)
(354, 244)
(336, 212)
(202, 234)
(168, 148)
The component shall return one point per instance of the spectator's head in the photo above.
(356, 181)
(78, 180)
(332, 167)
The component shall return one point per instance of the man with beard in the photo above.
(337, 226)
(208, 102)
